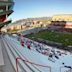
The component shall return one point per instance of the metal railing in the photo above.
(20, 63)
(64, 69)
(18, 58)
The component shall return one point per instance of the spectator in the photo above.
(67, 66)
(28, 46)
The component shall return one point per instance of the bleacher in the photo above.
(23, 59)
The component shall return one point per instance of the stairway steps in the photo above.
(22, 64)
(30, 65)
(12, 59)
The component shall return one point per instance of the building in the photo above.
(68, 24)
(6, 7)
(57, 24)
(62, 17)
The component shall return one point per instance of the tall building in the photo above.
(6, 7)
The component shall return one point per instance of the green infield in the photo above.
(64, 38)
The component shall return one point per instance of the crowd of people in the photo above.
(41, 48)
(52, 53)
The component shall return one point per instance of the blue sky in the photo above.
(39, 8)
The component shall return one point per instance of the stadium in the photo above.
(36, 45)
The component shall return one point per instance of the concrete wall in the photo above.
(34, 30)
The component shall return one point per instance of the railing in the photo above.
(64, 69)
(18, 58)
(20, 63)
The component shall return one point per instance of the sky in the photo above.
(40, 8)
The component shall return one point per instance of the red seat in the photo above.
(22, 44)
(28, 46)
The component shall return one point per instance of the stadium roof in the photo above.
(63, 15)
(6, 7)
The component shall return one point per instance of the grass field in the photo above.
(65, 39)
